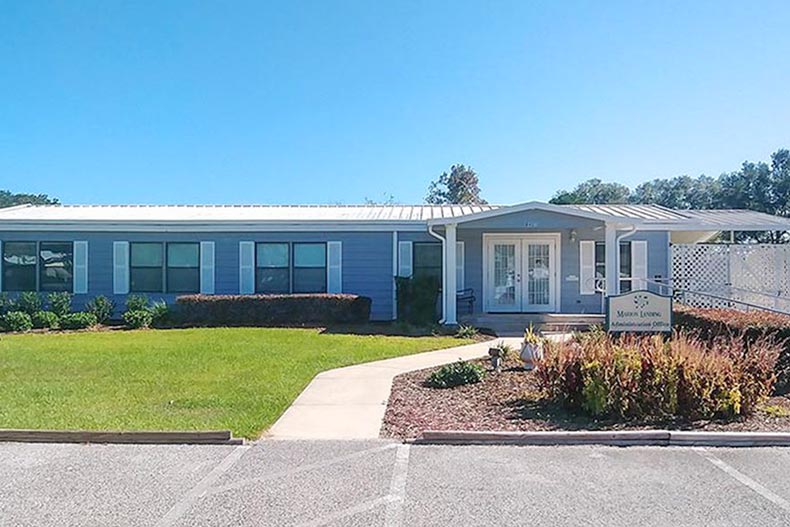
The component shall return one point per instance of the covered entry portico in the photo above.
(544, 259)
(526, 259)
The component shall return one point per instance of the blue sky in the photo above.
(332, 102)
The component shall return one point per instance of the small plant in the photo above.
(137, 303)
(17, 321)
(532, 337)
(456, 374)
(29, 302)
(466, 332)
(60, 303)
(138, 318)
(102, 308)
(160, 313)
(774, 410)
(45, 320)
(78, 320)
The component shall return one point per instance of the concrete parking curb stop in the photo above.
(608, 438)
(214, 437)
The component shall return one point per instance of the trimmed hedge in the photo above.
(271, 310)
(710, 324)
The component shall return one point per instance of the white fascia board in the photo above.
(536, 205)
(216, 226)
(711, 227)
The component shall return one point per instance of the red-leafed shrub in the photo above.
(710, 324)
(633, 377)
(271, 310)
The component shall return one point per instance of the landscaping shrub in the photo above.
(271, 310)
(417, 299)
(78, 320)
(456, 374)
(136, 302)
(60, 303)
(633, 377)
(710, 324)
(102, 308)
(17, 321)
(6, 303)
(138, 318)
(160, 313)
(45, 320)
(29, 302)
(466, 332)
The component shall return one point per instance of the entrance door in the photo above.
(522, 274)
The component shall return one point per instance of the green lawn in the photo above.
(240, 379)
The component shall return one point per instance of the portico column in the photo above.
(612, 254)
(450, 285)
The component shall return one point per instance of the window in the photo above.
(19, 266)
(56, 272)
(283, 268)
(183, 268)
(625, 264)
(38, 266)
(156, 267)
(145, 268)
(309, 268)
(272, 268)
(427, 260)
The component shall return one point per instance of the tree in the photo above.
(461, 185)
(9, 199)
(592, 191)
(386, 199)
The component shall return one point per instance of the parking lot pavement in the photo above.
(369, 483)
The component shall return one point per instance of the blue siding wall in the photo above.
(367, 260)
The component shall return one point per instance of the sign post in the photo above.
(639, 312)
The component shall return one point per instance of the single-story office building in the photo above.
(526, 258)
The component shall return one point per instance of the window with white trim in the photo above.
(38, 266)
(626, 267)
(427, 259)
(285, 267)
(158, 267)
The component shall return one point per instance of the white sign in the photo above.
(639, 312)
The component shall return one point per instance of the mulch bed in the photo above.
(511, 401)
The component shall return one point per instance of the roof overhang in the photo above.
(539, 206)
(209, 226)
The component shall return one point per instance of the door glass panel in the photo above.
(505, 274)
(538, 274)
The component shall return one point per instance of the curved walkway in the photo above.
(349, 403)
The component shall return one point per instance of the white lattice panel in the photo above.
(757, 274)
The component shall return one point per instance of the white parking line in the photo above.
(302, 468)
(189, 499)
(394, 513)
(345, 513)
(744, 479)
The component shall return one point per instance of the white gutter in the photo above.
(444, 270)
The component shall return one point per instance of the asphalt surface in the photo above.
(376, 483)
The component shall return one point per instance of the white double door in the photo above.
(521, 274)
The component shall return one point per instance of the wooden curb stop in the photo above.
(216, 437)
(608, 438)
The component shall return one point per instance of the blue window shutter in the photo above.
(80, 276)
(120, 268)
(207, 268)
(246, 268)
(334, 267)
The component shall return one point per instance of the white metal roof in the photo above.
(367, 213)
(644, 217)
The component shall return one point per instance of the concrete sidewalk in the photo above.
(349, 403)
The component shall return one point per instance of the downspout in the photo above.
(444, 270)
